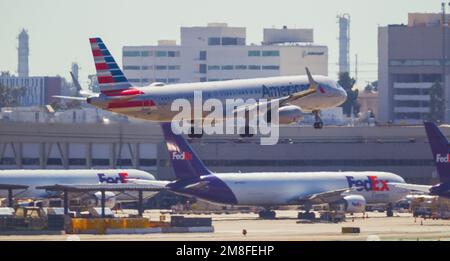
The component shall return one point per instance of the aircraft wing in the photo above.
(321, 198)
(414, 187)
(155, 185)
(283, 100)
(12, 186)
(69, 97)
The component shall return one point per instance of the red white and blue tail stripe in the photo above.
(111, 79)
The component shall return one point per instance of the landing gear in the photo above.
(192, 133)
(389, 210)
(267, 214)
(306, 215)
(246, 133)
(318, 124)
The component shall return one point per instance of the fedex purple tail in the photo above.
(440, 149)
(186, 164)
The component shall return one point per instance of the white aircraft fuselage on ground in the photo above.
(272, 189)
(289, 188)
(35, 178)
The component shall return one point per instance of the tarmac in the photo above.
(229, 227)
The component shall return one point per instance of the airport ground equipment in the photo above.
(181, 221)
(178, 224)
(102, 188)
(102, 225)
(352, 230)
(441, 208)
(6, 212)
(10, 188)
(25, 219)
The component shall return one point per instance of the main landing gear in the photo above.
(192, 133)
(246, 133)
(267, 214)
(307, 214)
(389, 210)
(318, 124)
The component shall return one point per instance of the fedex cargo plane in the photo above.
(44, 177)
(272, 189)
(296, 95)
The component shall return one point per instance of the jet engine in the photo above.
(289, 114)
(95, 200)
(354, 203)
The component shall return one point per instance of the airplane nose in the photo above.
(343, 93)
(340, 95)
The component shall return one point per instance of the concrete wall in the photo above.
(402, 150)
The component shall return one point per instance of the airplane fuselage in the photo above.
(34, 178)
(278, 188)
(154, 102)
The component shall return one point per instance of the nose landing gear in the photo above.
(192, 133)
(267, 214)
(246, 133)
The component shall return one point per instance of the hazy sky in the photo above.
(59, 29)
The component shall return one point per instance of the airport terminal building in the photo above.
(219, 52)
(402, 150)
(410, 61)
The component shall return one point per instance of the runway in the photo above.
(229, 228)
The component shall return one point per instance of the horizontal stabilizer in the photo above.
(70, 97)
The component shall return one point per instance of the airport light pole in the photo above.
(443, 58)
(444, 61)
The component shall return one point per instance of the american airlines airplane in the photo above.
(296, 95)
(272, 189)
(45, 177)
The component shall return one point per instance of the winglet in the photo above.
(312, 82)
(310, 78)
(75, 82)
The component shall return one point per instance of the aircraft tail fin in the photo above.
(440, 149)
(111, 79)
(185, 162)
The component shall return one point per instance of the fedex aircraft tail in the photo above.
(186, 164)
(440, 149)
(111, 79)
